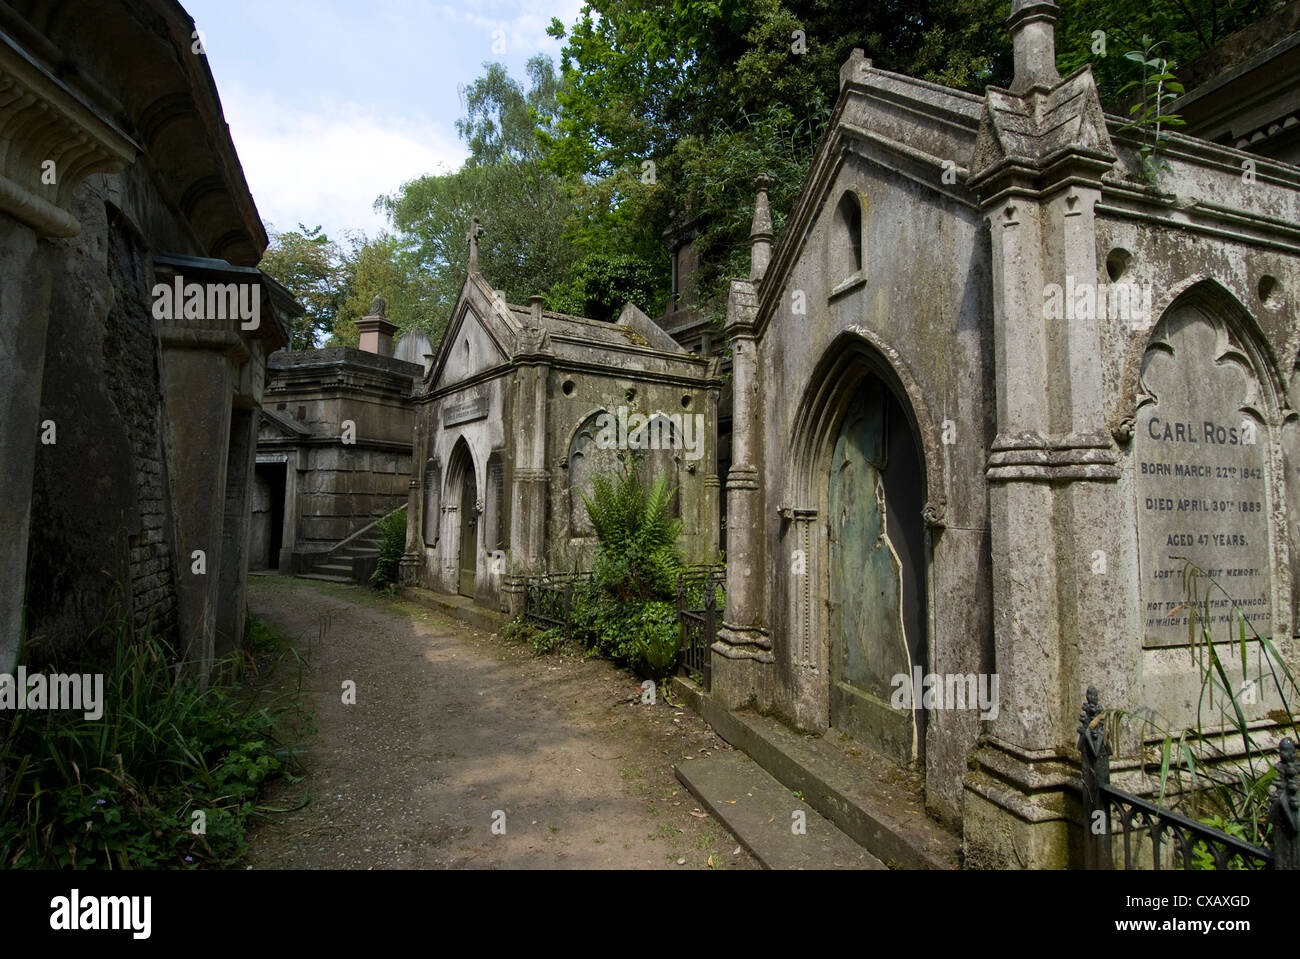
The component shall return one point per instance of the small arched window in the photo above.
(846, 238)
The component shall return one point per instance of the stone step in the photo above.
(458, 607)
(349, 553)
(334, 569)
(852, 792)
(760, 813)
(327, 578)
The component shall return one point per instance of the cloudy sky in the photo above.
(333, 102)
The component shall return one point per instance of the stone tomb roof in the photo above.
(503, 332)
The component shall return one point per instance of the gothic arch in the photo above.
(1220, 306)
(583, 460)
(856, 363)
(855, 354)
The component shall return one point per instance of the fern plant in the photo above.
(637, 557)
(392, 544)
(626, 611)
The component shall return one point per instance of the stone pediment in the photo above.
(483, 335)
(1041, 126)
(275, 425)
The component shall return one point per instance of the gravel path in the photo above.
(454, 731)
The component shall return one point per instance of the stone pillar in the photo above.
(54, 141)
(289, 535)
(1052, 466)
(25, 269)
(232, 612)
(743, 641)
(530, 479)
(408, 567)
(196, 379)
(712, 512)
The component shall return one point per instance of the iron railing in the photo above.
(697, 616)
(1170, 838)
(548, 600)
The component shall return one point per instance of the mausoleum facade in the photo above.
(521, 409)
(995, 382)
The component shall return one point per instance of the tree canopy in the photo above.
(662, 112)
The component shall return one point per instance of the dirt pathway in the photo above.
(452, 727)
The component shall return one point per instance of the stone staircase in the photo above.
(352, 560)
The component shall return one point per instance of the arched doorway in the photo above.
(876, 575)
(462, 489)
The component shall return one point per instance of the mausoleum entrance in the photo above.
(876, 574)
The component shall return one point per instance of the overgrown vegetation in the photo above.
(1217, 770)
(392, 544)
(168, 777)
(626, 609)
(657, 118)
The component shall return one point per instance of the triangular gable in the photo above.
(482, 335)
(275, 425)
(907, 128)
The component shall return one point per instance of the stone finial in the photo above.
(1033, 37)
(475, 231)
(536, 304)
(378, 306)
(760, 233)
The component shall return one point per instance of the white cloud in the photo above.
(522, 23)
(327, 164)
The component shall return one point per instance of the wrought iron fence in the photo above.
(1158, 838)
(548, 603)
(697, 616)
(548, 600)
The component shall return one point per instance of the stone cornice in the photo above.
(44, 122)
(1031, 457)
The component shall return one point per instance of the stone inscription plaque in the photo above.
(464, 412)
(1200, 459)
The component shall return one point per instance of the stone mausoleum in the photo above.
(334, 451)
(134, 331)
(521, 409)
(995, 376)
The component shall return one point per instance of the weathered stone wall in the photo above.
(346, 427)
(458, 445)
(1226, 275)
(100, 498)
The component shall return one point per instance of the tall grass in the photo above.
(1226, 787)
(122, 791)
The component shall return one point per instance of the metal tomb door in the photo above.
(468, 530)
(877, 543)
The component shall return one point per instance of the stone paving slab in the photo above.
(759, 812)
